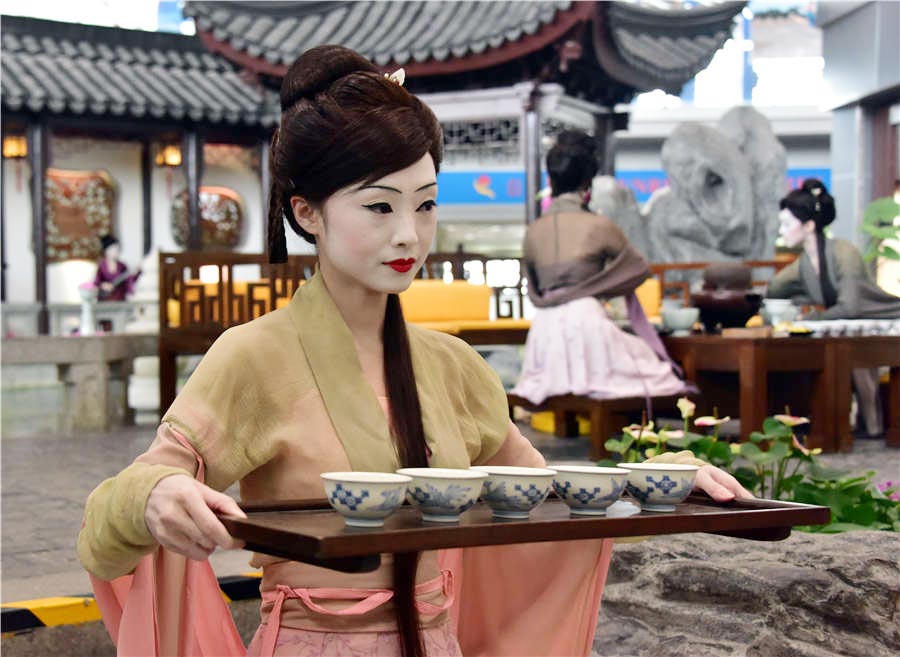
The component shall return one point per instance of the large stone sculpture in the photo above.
(752, 133)
(706, 213)
(721, 203)
(619, 204)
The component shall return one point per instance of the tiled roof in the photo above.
(643, 46)
(385, 32)
(68, 68)
(662, 48)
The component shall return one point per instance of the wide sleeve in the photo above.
(850, 276)
(214, 413)
(485, 418)
(787, 284)
(113, 535)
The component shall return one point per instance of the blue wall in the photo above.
(508, 187)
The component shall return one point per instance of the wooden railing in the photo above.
(193, 313)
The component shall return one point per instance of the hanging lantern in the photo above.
(169, 156)
(15, 147)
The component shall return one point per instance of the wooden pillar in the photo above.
(147, 193)
(38, 159)
(265, 182)
(192, 155)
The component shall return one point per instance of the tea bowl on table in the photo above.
(512, 492)
(680, 320)
(589, 490)
(365, 499)
(442, 494)
(660, 486)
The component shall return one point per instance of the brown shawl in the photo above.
(571, 253)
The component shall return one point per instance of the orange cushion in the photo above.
(436, 301)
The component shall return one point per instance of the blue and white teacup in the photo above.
(512, 492)
(589, 490)
(365, 499)
(660, 486)
(442, 494)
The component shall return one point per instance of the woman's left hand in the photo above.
(720, 485)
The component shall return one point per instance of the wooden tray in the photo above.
(313, 533)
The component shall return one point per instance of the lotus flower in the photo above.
(641, 432)
(710, 421)
(792, 420)
(686, 406)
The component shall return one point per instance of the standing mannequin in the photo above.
(113, 280)
(831, 273)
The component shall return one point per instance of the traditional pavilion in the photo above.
(535, 65)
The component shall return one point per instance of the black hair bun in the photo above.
(317, 69)
(823, 202)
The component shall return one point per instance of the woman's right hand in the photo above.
(181, 516)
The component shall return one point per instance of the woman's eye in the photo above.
(427, 206)
(380, 208)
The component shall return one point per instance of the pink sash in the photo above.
(369, 599)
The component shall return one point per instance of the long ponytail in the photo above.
(409, 435)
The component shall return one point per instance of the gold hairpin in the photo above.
(398, 76)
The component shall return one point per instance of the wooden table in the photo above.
(848, 353)
(753, 359)
(828, 360)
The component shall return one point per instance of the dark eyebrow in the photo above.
(393, 189)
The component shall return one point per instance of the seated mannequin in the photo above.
(831, 273)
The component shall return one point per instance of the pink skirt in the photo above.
(439, 641)
(576, 349)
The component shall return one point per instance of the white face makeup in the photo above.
(112, 252)
(793, 231)
(376, 236)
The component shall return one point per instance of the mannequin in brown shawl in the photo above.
(574, 261)
(831, 273)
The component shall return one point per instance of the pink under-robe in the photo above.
(496, 610)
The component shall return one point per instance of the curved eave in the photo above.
(644, 76)
(581, 12)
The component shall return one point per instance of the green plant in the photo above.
(776, 456)
(880, 223)
(774, 463)
(855, 502)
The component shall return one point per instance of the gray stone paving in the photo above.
(46, 479)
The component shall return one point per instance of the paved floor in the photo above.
(46, 479)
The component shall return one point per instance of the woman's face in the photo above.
(112, 252)
(793, 231)
(376, 236)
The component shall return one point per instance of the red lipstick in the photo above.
(402, 265)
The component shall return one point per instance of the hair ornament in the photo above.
(398, 76)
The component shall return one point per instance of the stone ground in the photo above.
(46, 479)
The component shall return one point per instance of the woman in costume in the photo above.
(576, 260)
(113, 280)
(831, 273)
(338, 381)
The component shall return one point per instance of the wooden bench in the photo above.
(607, 416)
